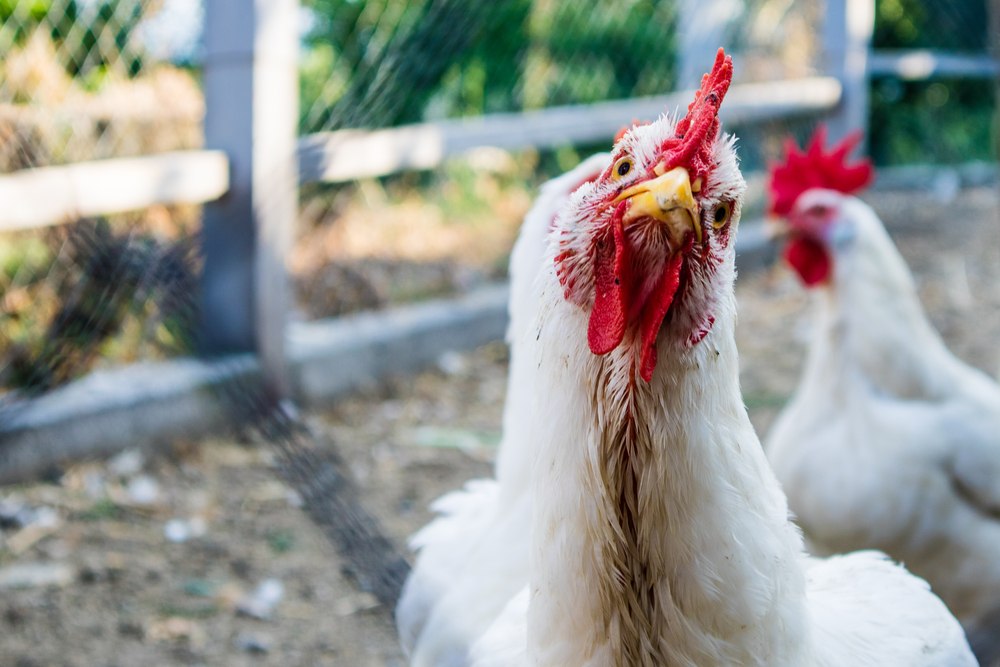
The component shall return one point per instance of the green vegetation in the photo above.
(104, 509)
(943, 121)
(280, 540)
(400, 61)
(92, 37)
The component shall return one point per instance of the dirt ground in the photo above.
(197, 555)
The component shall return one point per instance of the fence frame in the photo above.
(249, 176)
(251, 101)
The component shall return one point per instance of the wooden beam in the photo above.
(52, 195)
(251, 112)
(702, 27)
(993, 45)
(347, 155)
(848, 26)
(922, 64)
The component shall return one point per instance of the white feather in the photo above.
(890, 441)
(728, 578)
(699, 564)
(474, 556)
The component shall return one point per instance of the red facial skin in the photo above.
(621, 295)
(810, 215)
(807, 251)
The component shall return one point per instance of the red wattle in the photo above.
(612, 285)
(654, 312)
(810, 259)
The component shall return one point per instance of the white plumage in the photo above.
(658, 533)
(890, 441)
(725, 578)
(474, 556)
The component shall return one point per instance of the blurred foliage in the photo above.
(115, 288)
(941, 120)
(387, 62)
(92, 36)
(952, 25)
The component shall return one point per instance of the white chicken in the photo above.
(659, 533)
(890, 441)
(474, 556)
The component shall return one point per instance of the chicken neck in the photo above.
(661, 536)
(871, 333)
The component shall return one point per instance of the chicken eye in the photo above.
(722, 213)
(622, 168)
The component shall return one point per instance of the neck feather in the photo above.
(871, 327)
(663, 536)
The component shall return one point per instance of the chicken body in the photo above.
(711, 572)
(660, 536)
(890, 441)
(474, 556)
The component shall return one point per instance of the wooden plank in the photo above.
(847, 36)
(922, 64)
(347, 155)
(251, 94)
(702, 27)
(53, 195)
(993, 45)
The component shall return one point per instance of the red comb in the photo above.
(691, 144)
(814, 168)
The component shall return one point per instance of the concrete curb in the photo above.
(333, 357)
(145, 404)
(106, 411)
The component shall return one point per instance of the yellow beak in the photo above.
(667, 198)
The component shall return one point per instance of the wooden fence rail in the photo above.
(347, 155)
(53, 195)
(918, 65)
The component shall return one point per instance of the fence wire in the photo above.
(385, 63)
(78, 81)
(88, 79)
(84, 80)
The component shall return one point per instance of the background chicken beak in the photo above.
(776, 229)
(667, 198)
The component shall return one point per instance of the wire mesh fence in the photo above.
(80, 81)
(387, 63)
(88, 79)
(84, 80)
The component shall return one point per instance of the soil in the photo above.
(122, 593)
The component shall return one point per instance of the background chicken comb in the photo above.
(690, 145)
(814, 168)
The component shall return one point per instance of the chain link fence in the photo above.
(385, 63)
(84, 80)
(91, 79)
(81, 80)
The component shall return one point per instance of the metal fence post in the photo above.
(993, 36)
(251, 98)
(702, 28)
(847, 38)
